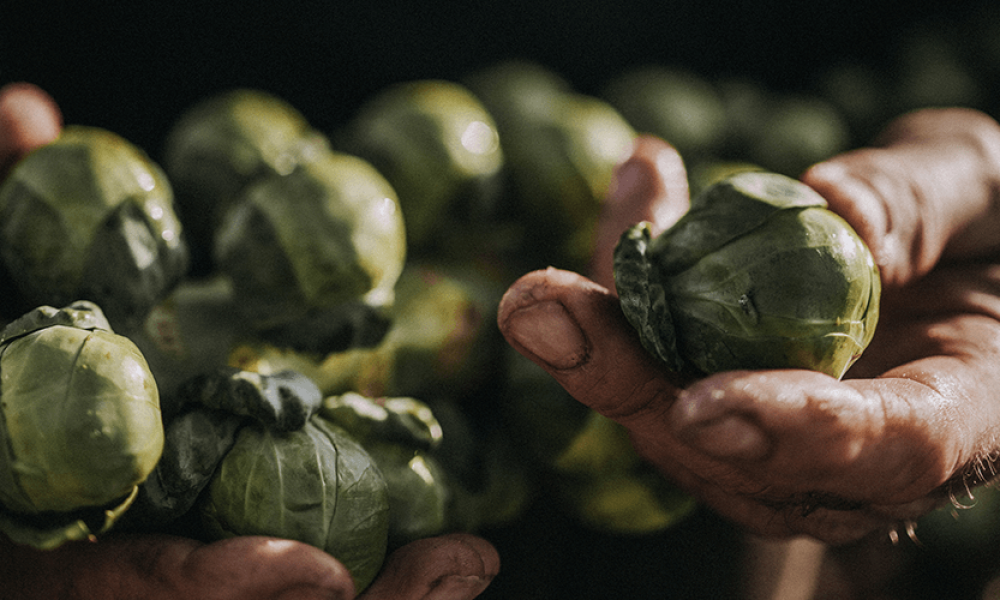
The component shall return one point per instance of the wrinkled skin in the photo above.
(789, 452)
(455, 567)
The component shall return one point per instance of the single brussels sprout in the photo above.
(314, 255)
(797, 132)
(759, 274)
(677, 105)
(202, 421)
(436, 144)
(399, 434)
(315, 485)
(81, 424)
(91, 216)
(221, 145)
(561, 163)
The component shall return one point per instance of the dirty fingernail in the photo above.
(548, 331)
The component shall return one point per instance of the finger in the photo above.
(650, 185)
(171, 568)
(29, 118)
(447, 567)
(930, 190)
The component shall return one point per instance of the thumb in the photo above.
(173, 568)
(446, 567)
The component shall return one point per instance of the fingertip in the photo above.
(455, 566)
(29, 118)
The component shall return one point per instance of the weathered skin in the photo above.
(120, 567)
(787, 452)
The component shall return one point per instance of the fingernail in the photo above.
(729, 437)
(548, 331)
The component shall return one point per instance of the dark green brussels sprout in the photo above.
(314, 254)
(673, 104)
(758, 274)
(81, 423)
(314, 485)
(399, 434)
(561, 148)
(222, 144)
(90, 216)
(437, 145)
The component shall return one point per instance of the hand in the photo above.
(788, 452)
(448, 567)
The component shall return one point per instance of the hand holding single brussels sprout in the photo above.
(786, 452)
(758, 274)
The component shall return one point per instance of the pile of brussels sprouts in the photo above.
(289, 332)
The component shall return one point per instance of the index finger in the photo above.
(930, 190)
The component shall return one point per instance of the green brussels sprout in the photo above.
(222, 144)
(399, 434)
(561, 148)
(81, 424)
(202, 421)
(440, 341)
(759, 274)
(797, 132)
(316, 485)
(437, 145)
(91, 216)
(671, 103)
(314, 255)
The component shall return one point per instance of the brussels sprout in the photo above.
(314, 485)
(80, 423)
(587, 459)
(436, 144)
(222, 144)
(561, 148)
(797, 132)
(758, 274)
(440, 341)
(399, 433)
(674, 104)
(203, 419)
(314, 255)
(90, 216)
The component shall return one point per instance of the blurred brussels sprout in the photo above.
(222, 144)
(797, 132)
(758, 274)
(672, 103)
(81, 423)
(90, 216)
(587, 459)
(437, 145)
(314, 255)
(440, 342)
(314, 485)
(399, 434)
(561, 148)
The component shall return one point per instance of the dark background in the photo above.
(133, 67)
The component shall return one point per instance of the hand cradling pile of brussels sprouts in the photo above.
(290, 333)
